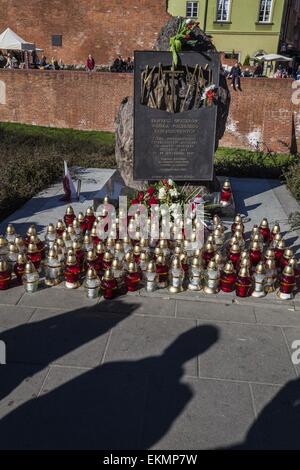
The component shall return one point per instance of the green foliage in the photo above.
(246, 163)
(292, 176)
(32, 158)
(247, 60)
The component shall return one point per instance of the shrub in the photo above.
(292, 176)
(32, 159)
(246, 163)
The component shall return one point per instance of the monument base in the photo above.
(116, 187)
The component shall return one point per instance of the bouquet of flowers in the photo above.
(161, 192)
(209, 95)
(182, 38)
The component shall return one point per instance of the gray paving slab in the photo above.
(139, 305)
(52, 297)
(292, 336)
(215, 311)
(277, 316)
(140, 337)
(197, 414)
(75, 338)
(19, 384)
(78, 409)
(278, 415)
(11, 296)
(255, 353)
(12, 316)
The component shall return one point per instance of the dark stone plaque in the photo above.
(174, 133)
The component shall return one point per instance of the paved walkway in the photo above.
(165, 372)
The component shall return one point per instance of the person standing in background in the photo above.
(90, 63)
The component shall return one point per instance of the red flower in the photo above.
(153, 200)
(191, 25)
(134, 201)
(151, 190)
(187, 37)
(141, 196)
(165, 182)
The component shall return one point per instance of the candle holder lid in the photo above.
(3, 266)
(31, 230)
(161, 259)
(100, 248)
(270, 254)
(229, 268)
(91, 255)
(276, 229)
(22, 258)
(91, 274)
(212, 265)
(260, 268)
(238, 219)
(270, 264)
(51, 228)
(66, 236)
(264, 223)
(227, 184)
(107, 256)
(209, 247)
(60, 225)
(52, 253)
(71, 259)
(108, 275)
(151, 267)
(216, 219)
(289, 271)
(3, 241)
(288, 253)
(176, 263)
(281, 245)
(10, 229)
(255, 246)
(30, 268)
(235, 248)
(32, 248)
(244, 272)
(132, 267)
(89, 211)
(196, 262)
(69, 210)
(119, 245)
(80, 217)
(87, 239)
(12, 248)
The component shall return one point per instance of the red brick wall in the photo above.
(262, 112)
(80, 100)
(103, 28)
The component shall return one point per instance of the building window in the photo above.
(57, 40)
(192, 9)
(223, 10)
(265, 11)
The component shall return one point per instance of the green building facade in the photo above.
(240, 28)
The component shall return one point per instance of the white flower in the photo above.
(173, 192)
(170, 182)
(162, 193)
(188, 21)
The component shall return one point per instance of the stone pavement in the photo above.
(152, 371)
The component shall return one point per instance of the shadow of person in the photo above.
(34, 345)
(118, 405)
(277, 425)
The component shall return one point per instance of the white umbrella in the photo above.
(273, 57)
(11, 41)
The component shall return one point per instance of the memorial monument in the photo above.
(181, 101)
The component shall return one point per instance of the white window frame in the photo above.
(269, 19)
(223, 10)
(194, 9)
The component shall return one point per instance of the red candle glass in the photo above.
(132, 280)
(5, 275)
(72, 273)
(19, 270)
(244, 284)
(226, 194)
(34, 255)
(255, 256)
(69, 216)
(287, 284)
(227, 282)
(89, 219)
(108, 287)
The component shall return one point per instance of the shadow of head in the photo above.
(191, 344)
